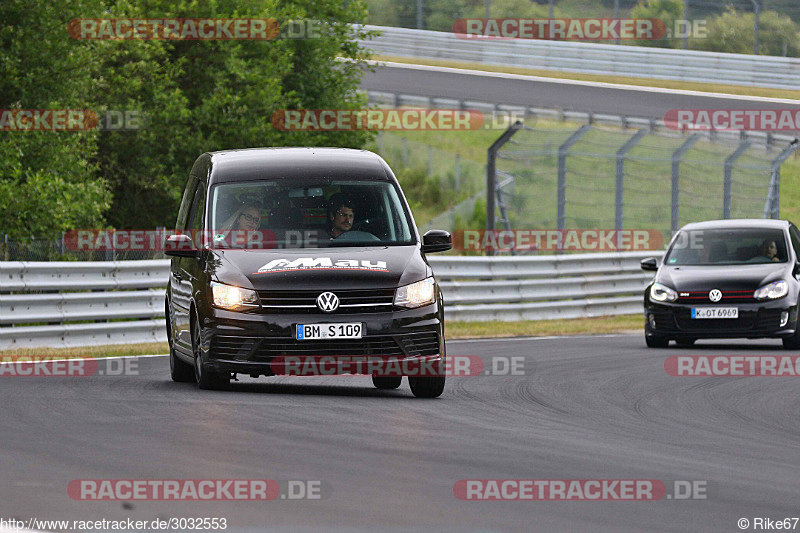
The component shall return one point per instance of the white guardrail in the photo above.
(591, 58)
(122, 302)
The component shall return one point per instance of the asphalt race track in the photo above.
(593, 407)
(552, 93)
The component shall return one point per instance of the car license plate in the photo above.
(306, 332)
(715, 312)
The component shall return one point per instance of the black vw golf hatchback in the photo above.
(726, 279)
(287, 256)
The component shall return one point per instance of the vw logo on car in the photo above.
(715, 295)
(328, 302)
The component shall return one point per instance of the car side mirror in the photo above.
(436, 240)
(649, 263)
(180, 245)
(796, 269)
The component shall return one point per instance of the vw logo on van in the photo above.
(715, 295)
(328, 302)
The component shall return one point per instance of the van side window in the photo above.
(186, 203)
(196, 217)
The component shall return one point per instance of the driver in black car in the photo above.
(340, 214)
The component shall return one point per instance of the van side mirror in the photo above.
(180, 245)
(649, 263)
(436, 240)
(796, 269)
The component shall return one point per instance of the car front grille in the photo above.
(350, 301)
(263, 349)
(728, 297)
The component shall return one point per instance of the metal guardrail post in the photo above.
(491, 170)
(773, 204)
(620, 185)
(562, 174)
(676, 179)
(726, 186)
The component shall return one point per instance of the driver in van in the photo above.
(340, 215)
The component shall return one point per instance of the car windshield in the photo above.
(727, 247)
(308, 213)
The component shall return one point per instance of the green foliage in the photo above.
(198, 96)
(48, 181)
(733, 32)
(668, 11)
(514, 9)
(423, 191)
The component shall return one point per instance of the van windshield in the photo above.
(728, 247)
(308, 213)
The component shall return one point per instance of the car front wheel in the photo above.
(656, 342)
(386, 382)
(206, 379)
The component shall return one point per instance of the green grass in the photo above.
(114, 350)
(591, 176)
(541, 328)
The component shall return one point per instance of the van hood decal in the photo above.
(305, 269)
(321, 263)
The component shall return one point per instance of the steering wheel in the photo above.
(356, 236)
(360, 224)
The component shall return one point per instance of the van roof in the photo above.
(272, 163)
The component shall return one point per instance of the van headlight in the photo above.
(772, 291)
(662, 293)
(233, 298)
(417, 294)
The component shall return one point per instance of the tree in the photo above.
(667, 11)
(733, 32)
(48, 179)
(216, 95)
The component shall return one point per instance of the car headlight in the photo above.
(235, 298)
(772, 291)
(416, 295)
(662, 293)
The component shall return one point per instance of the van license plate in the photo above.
(307, 332)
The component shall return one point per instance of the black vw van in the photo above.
(306, 252)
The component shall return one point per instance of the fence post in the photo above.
(676, 179)
(405, 152)
(620, 189)
(562, 174)
(773, 204)
(726, 186)
(491, 169)
(430, 161)
(380, 142)
(458, 171)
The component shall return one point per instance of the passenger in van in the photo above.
(341, 214)
(237, 230)
(247, 217)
